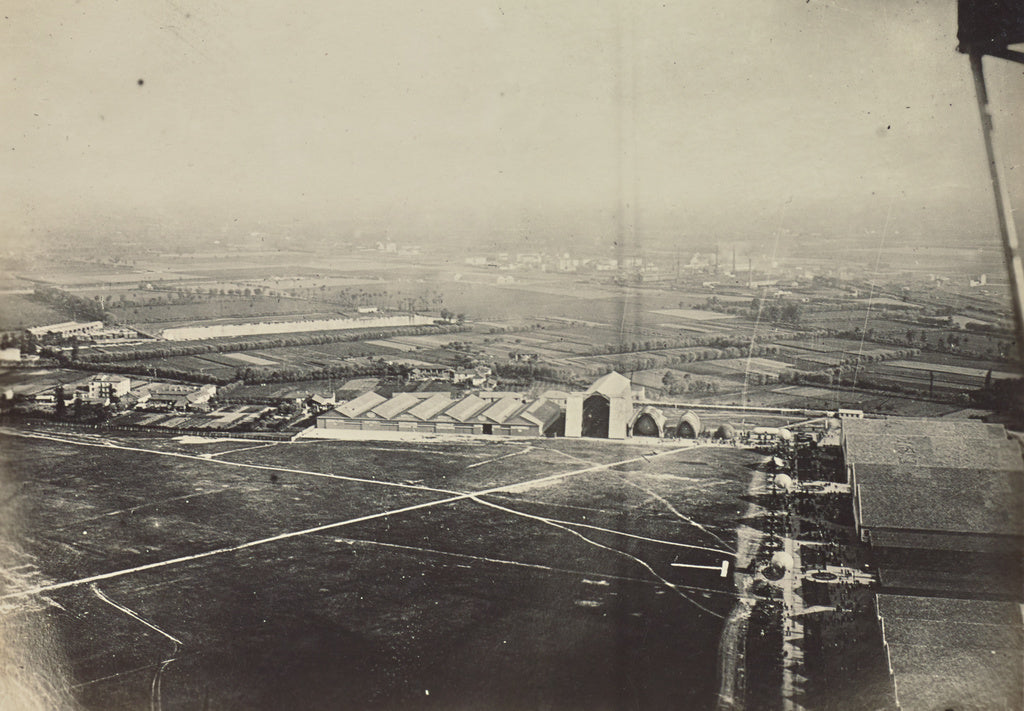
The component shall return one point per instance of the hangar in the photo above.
(488, 414)
(689, 426)
(648, 422)
(604, 410)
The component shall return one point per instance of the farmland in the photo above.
(396, 585)
(18, 311)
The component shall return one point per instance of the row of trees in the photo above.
(776, 311)
(676, 383)
(628, 364)
(77, 307)
(692, 342)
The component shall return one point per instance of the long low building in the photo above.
(934, 484)
(940, 502)
(953, 654)
(505, 414)
(191, 333)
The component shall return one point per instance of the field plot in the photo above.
(694, 314)
(225, 417)
(953, 370)
(804, 396)
(18, 311)
(250, 359)
(184, 574)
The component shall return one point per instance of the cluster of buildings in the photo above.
(607, 409)
(562, 262)
(106, 388)
(478, 377)
(940, 502)
(83, 331)
(485, 414)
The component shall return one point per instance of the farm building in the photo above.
(508, 415)
(175, 395)
(604, 410)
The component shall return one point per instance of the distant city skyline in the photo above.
(606, 121)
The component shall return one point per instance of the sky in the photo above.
(638, 120)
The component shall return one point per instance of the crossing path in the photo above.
(454, 497)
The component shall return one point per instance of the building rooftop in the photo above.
(958, 500)
(946, 653)
(611, 385)
(929, 427)
(431, 406)
(541, 412)
(396, 405)
(501, 410)
(356, 407)
(466, 408)
(108, 378)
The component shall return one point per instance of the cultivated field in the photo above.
(242, 575)
(18, 311)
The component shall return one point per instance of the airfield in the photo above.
(148, 572)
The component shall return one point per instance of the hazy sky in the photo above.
(548, 116)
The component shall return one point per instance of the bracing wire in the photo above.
(760, 303)
(871, 292)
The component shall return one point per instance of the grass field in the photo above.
(366, 575)
(18, 311)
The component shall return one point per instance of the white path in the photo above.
(156, 686)
(498, 459)
(658, 497)
(577, 524)
(134, 615)
(456, 496)
(671, 586)
(589, 576)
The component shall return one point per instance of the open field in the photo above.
(368, 575)
(217, 310)
(820, 398)
(18, 311)
(694, 314)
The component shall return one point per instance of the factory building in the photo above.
(605, 410)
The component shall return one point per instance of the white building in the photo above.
(108, 386)
(66, 329)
